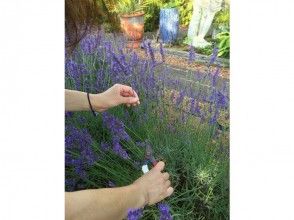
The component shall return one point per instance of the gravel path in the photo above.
(183, 64)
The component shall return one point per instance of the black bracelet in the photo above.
(88, 96)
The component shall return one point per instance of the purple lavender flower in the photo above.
(100, 82)
(164, 211)
(122, 60)
(79, 140)
(133, 61)
(89, 44)
(118, 64)
(99, 37)
(180, 98)
(68, 114)
(118, 133)
(214, 117)
(150, 85)
(80, 169)
(194, 107)
(143, 70)
(151, 52)
(135, 214)
(117, 149)
(213, 56)
(221, 100)
(115, 126)
(197, 109)
(212, 96)
(191, 54)
(70, 184)
(145, 47)
(198, 76)
(105, 146)
(75, 71)
(161, 52)
(89, 156)
(81, 120)
(71, 68)
(215, 77)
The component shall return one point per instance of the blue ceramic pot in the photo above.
(169, 24)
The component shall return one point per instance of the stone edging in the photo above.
(199, 57)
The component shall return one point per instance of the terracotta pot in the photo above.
(133, 28)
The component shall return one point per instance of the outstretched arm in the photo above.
(116, 95)
(113, 203)
(103, 204)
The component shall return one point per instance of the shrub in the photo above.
(223, 40)
(151, 18)
(185, 124)
(222, 17)
(186, 10)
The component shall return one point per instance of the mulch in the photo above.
(179, 62)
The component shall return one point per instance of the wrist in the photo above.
(95, 100)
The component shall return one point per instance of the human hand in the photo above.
(154, 185)
(114, 96)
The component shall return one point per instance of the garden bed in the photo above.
(185, 122)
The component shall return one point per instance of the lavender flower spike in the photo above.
(161, 52)
(150, 51)
(135, 214)
(213, 56)
(164, 211)
(191, 54)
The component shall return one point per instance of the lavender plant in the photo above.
(186, 123)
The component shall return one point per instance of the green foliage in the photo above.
(222, 17)
(171, 4)
(223, 40)
(108, 19)
(199, 173)
(127, 6)
(163, 3)
(151, 18)
(185, 9)
(108, 27)
(206, 50)
(152, 9)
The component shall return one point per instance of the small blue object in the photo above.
(169, 24)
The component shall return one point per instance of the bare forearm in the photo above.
(114, 96)
(102, 204)
(78, 101)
